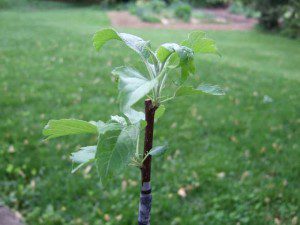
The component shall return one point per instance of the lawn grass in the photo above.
(236, 156)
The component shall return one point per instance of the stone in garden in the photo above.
(8, 218)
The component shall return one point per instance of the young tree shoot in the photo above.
(168, 67)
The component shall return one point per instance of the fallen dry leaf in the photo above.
(233, 139)
(106, 217)
(124, 185)
(25, 142)
(11, 149)
(32, 184)
(245, 175)
(181, 192)
(119, 217)
(295, 220)
(277, 221)
(221, 175)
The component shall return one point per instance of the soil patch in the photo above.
(222, 20)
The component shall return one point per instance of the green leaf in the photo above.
(187, 68)
(110, 125)
(115, 149)
(63, 127)
(174, 61)
(80, 166)
(185, 55)
(165, 50)
(119, 119)
(143, 124)
(134, 116)
(186, 90)
(206, 88)
(159, 150)
(135, 43)
(132, 86)
(159, 112)
(85, 154)
(199, 43)
(211, 89)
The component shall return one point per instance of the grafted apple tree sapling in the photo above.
(170, 65)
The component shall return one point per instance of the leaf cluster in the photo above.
(118, 138)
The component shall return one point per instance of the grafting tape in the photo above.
(145, 204)
(146, 192)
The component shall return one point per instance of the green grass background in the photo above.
(237, 157)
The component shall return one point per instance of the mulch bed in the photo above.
(233, 22)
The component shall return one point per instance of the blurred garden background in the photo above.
(233, 159)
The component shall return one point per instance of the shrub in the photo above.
(291, 21)
(282, 15)
(213, 3)
(270, 13)
(147, 11)
(148, 17)
(239, 8)
(107, 2)
(207, 3)
(183, 11)
(157, 5)
(4, 3)
(13, 3)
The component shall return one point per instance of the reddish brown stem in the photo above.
(146, 197)
(149, 114)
